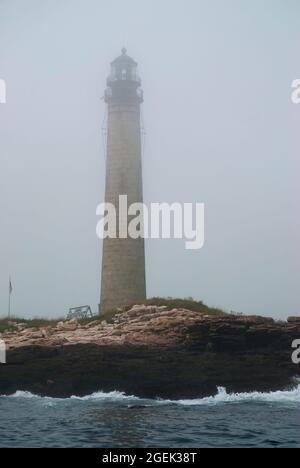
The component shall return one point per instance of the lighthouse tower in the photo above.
(123, 262)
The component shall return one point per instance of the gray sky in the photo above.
(221, 129)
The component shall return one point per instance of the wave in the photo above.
(289, 396)
(222, 397)
(101, 396)
(110, 396)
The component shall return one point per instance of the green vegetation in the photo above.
(11, 324)
(172, 303)
(187, 303)
(8, 324)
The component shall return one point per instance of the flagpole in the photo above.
(9, 296)
(9, 305)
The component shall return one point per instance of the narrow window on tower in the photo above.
(124, 73)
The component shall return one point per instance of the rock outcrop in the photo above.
(152, 351)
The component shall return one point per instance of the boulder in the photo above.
(95, 323)
(67, 326)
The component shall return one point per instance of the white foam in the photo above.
(110, 396)
(222, 397)
(97, 396)
(20, 394)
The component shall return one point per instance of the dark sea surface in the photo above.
(118, 421)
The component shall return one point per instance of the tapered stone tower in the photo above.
(123, 263)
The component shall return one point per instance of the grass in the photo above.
(171, 303)
(5, 323)
(188, 303)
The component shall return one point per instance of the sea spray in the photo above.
(222, 397)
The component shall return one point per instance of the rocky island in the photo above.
(151, 351)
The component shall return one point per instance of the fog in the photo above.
(220, 129)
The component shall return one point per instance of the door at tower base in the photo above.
(123, 260)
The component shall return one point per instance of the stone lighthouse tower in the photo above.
(123, 263)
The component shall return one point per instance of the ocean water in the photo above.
(119, 421)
